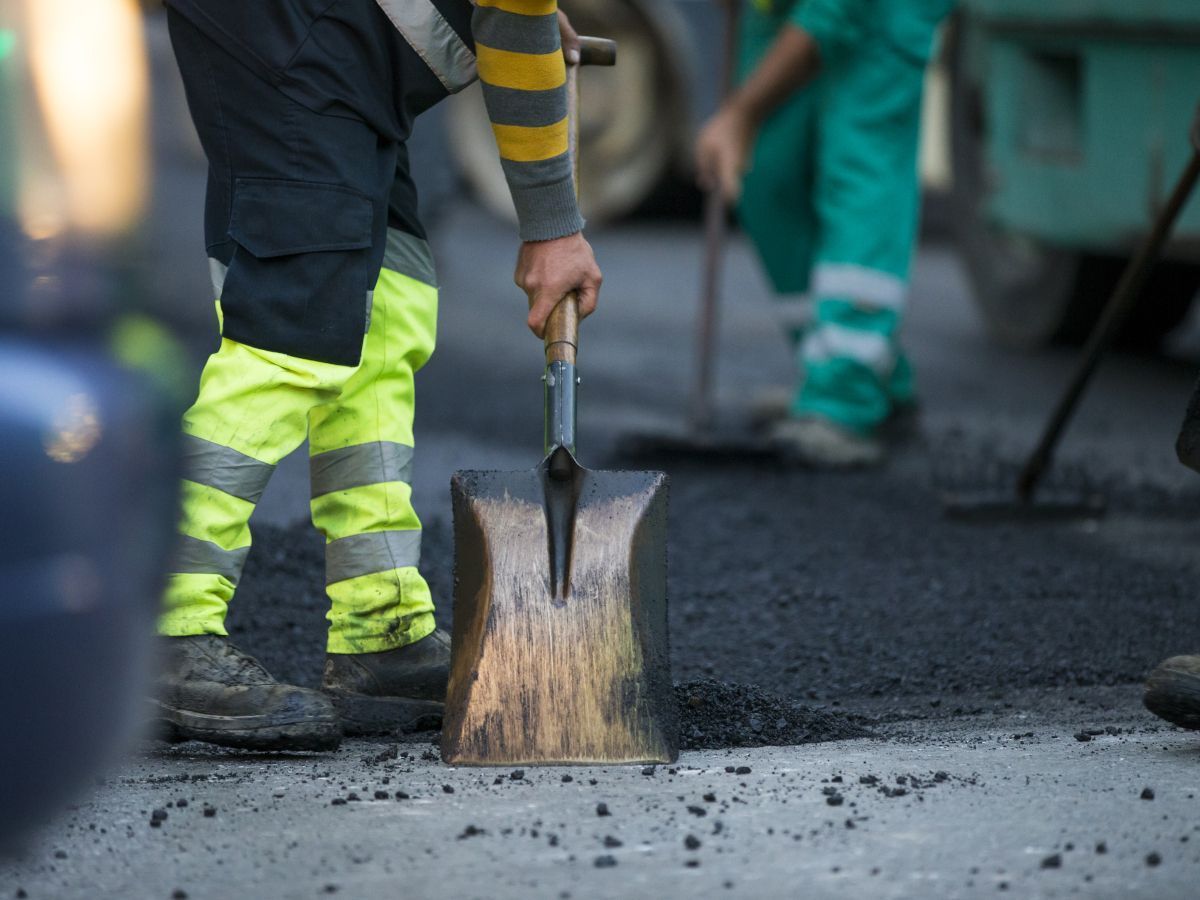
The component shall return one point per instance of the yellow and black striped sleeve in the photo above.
(521, 68)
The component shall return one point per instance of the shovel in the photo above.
(560, 652)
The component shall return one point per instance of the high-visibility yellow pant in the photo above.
(254, 408)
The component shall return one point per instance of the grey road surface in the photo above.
(996, 668)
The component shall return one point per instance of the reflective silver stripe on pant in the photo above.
(350, 467)
(217, 272)
(431, 36)
(366, 554)
(196, 557)
(225, 469)
(829, 341)
(870, 287)
(409, 255)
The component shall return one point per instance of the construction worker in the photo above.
(327, 301)
(818, 146)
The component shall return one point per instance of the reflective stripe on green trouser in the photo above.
(254, 408)
(831, 203)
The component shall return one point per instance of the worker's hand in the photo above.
(549, 270)
(723, 151)
(570, 40)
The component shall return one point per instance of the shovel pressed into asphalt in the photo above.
(560, 651)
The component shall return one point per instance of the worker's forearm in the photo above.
(524, 86)
(789, 64)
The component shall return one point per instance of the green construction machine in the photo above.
(1069, 124)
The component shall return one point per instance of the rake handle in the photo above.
(1120, 304)
(700, 409)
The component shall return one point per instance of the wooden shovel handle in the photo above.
(562, 331)
(562, 327)
(597, 51)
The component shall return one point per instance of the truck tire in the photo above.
(1030, 292)
(634, 118)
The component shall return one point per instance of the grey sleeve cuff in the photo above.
(547, 211)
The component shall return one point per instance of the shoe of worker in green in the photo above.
(772, 405)
(209, 690)
(819, 443)
(1173, 691)
(393, 691)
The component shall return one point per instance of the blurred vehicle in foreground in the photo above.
(86, 438)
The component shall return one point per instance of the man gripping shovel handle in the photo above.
(560, 650)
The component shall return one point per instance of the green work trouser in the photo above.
(254, 408)
(831, 203)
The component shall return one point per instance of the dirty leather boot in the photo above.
(1173, 691)
(393, 691)
(209, 690)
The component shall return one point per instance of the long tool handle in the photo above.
(1115, 313)
(701, 405)
(562, 326)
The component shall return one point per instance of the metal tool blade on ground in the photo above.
(560, 649)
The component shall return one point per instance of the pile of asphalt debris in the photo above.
(797, 602)
(279, 617)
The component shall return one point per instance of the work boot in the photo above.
(817, 442)
(1173, 691)
(209, 690)
(393, 691)
(771, 405)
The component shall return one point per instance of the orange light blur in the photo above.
(90, 74)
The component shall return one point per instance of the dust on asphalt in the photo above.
(798, 599)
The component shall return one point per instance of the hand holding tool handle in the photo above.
(562, 325)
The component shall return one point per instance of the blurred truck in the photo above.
(1069, 125)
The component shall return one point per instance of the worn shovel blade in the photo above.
(558, 677)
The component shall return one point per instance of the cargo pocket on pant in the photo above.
(302, 269)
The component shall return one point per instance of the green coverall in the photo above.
(832, 197)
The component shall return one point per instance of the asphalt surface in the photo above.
(990, 670)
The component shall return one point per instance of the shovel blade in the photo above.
(543, 676)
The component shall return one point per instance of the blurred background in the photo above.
(1054, 130)
(1052, 133)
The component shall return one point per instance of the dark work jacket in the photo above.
(336, 57)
